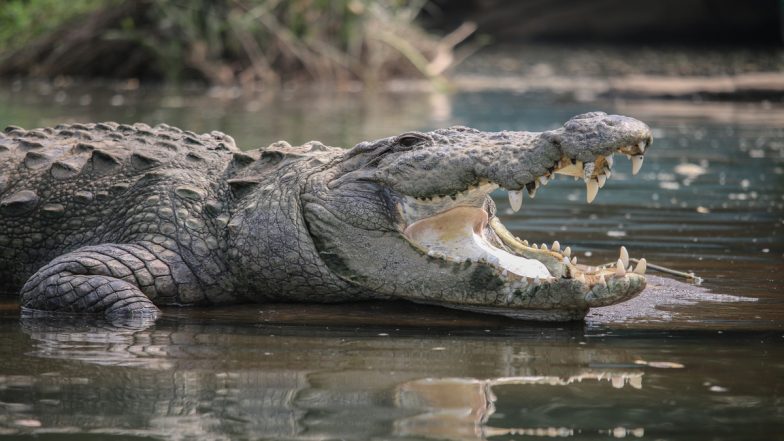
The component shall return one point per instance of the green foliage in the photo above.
(262, 39)
(227, 42)
(23, 20)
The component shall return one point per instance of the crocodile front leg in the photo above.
(117, 280)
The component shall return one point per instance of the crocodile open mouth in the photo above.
(463, 228)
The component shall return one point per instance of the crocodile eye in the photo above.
(411, 139)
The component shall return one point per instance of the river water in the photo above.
(687, 362)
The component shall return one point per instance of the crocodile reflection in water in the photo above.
(177, 380)
(459, 408)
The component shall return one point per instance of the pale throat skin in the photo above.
(116, 219)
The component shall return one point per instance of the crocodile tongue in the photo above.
(458, 235)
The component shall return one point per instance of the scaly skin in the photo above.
(115, 219)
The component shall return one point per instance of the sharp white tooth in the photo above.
(574, 260)
(556, 246)
(624, 256)
(602, 180)
(542, 180)
(536, 281)
(641, 146)
(619, 269)
(535, 246)
(532, 193)
(609, 159)
(516, 199)
(608, 173)
(628, 156)
(580, 278)
(637, 163)
(602, 280)
(592, 189)
(642, 266)
(504, 273)
(629, 269)
(543, 247)
(567, 251)
(565, 260)
(525, 242)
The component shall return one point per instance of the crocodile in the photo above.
(119, 219)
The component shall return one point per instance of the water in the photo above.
(706, 363)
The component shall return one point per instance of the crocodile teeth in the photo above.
(525, 242)
(588, 170)
(574, 260)
(565, 260)
(516, 199)
(543, 180)
(556, 246)
(602, 280)
(567, 252)
(592, 189)
(641, 146)
(602, 180)
(636, 163)
(620, 271)
(642, 266)
(544, 247)
(609, 160)
(580, 278)
(436, 254)
(624, 257)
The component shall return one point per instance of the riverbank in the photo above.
(239, 48)
(587, 72)
(582, 74)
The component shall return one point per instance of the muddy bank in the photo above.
(589, 71)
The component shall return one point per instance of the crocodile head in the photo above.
(410, 216)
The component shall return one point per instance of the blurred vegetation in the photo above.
(223, 42)
(23, 20)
